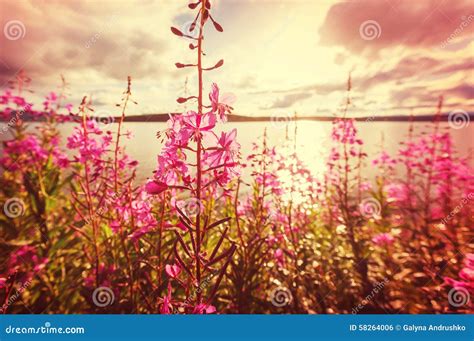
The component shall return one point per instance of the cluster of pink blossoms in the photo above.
(264, 165)
(92, 145)
(15, 106)
(130, 207)
(220, 153)
(20, 152)
(431, 156)
(383, 239)
(466, 275)
(23, 264)
(343, 132)
(397, 193)
(384, 160)
(137, 211)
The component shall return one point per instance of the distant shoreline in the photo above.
(242, 118)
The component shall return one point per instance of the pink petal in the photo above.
(155, 187)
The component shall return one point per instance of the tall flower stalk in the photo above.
(194, 163)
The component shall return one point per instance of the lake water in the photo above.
(313, 139)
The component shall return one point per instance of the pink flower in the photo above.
(170, 168)
(279, 257)
(155, 187)
(396, 192)
(466, 274)
(173, 270)
(166, 307)
(383, 239)
(226, 150)
(384, 160)
(344, 131)
(204, 309)
(195, 125)
(138, 210)
(5, 98)
(20, 101)
(365, 186)
(220, 108)
(50, 100)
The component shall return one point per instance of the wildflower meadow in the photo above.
(219, 228)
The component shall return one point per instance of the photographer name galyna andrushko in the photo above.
(433, 327)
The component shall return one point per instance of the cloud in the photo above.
(463, 91)
(105, 40)
(288, 100)
(425, 23)
(316, 88)
(420, 96)
(408, 67)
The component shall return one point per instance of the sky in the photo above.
(280, 57)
